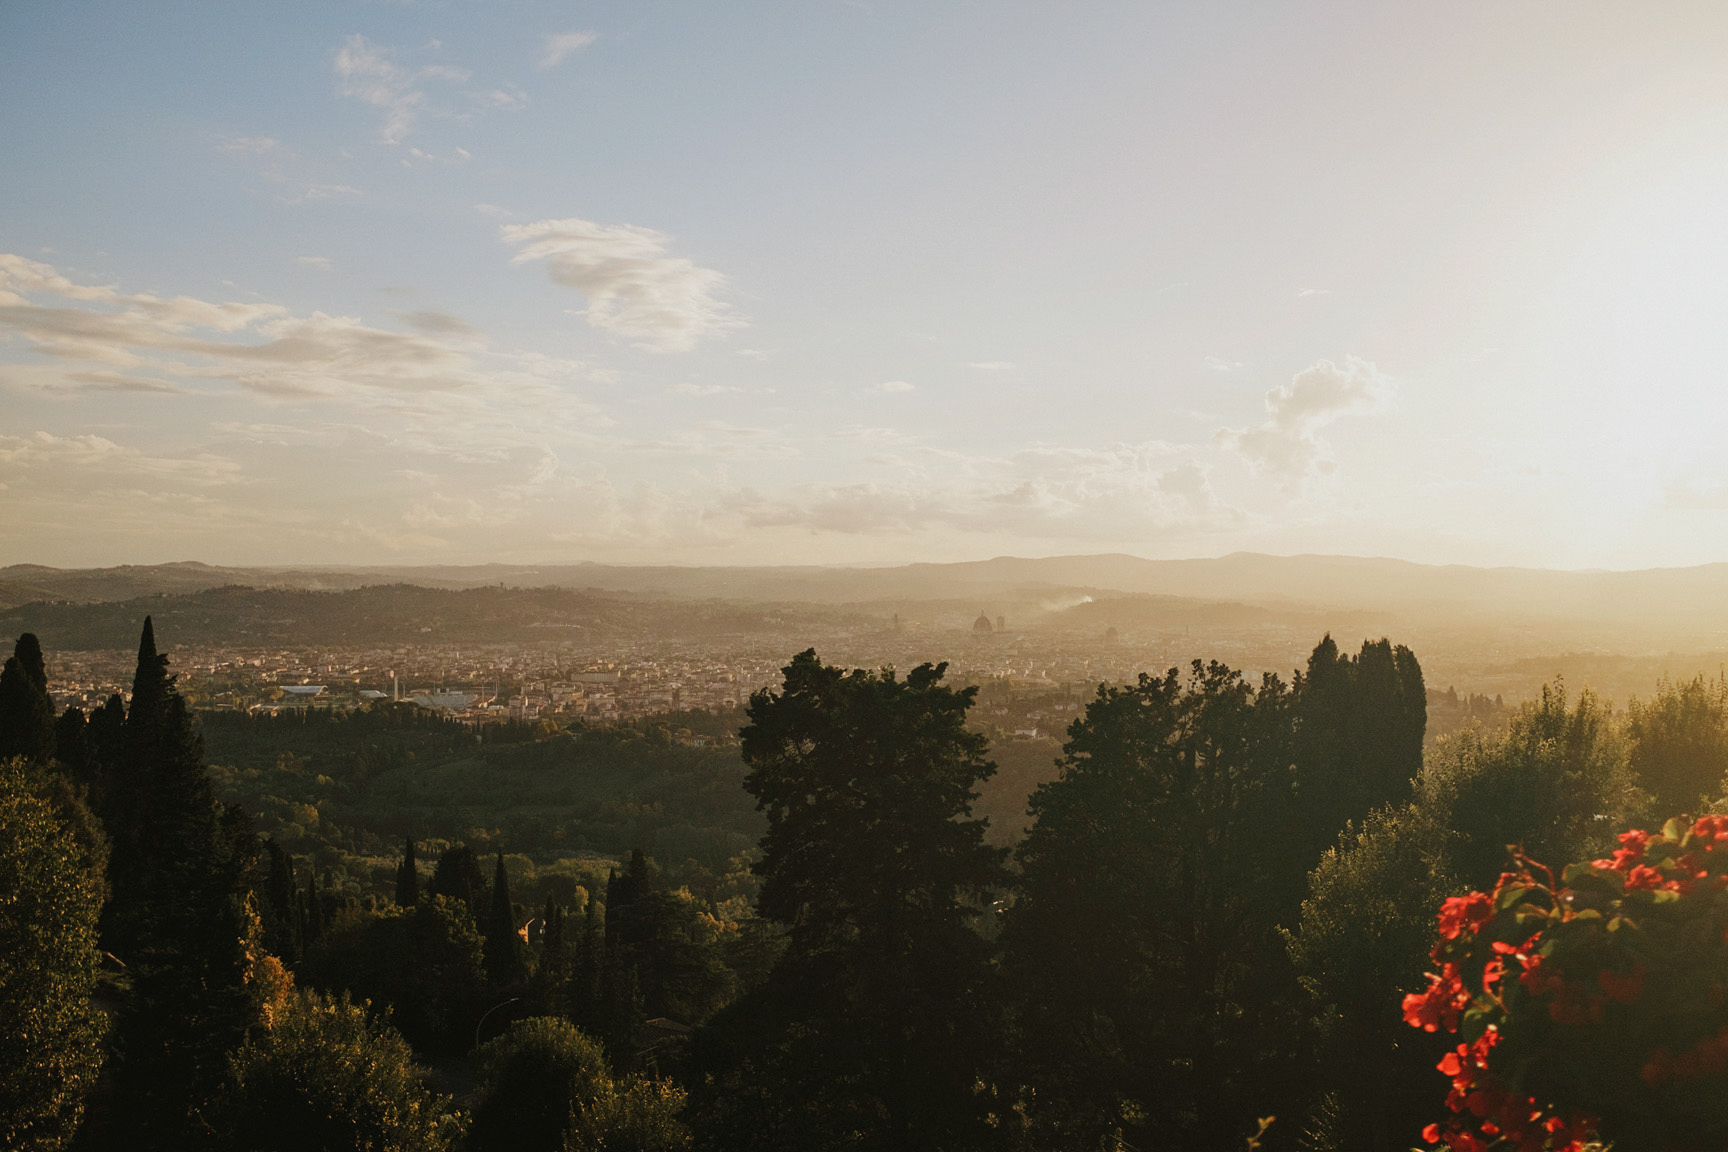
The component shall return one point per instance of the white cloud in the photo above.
(560, 45)
(895, 386)
(323, 263)
(89, 455)
(1287, 445)
(437, 375)
(1218, 364)
(371, 74)
(1306, 293)
(1123, 492)
(659, 302)
(992, 366)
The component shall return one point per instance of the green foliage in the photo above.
(638, 1116)
(871, 1030)
(535, 1076)
(457, 877)
(668, 942)
(1680, 743)
(1557, 782)
(51, 889)
(327, 1077)
(343, 783)
(424, 963)
(1155, 1002)
(1364, 932)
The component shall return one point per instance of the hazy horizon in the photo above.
(404, 284)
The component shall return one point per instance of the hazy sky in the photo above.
(447, 282)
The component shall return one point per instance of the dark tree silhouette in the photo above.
(1156, 1004)
(26, 708)
(871, 1030)
(408, 876)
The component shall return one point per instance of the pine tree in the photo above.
(503, 945)
(872, 1030)
(408, 877)
(26, 708)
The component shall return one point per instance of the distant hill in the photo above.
(390, 615)
(1663, 605)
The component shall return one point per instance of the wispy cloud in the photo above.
(436, 375)
(556, 47)
(323, 263)
(635, 289)
(372, 74)
(1287, 444)
(894, 386)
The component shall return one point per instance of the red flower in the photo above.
(1643, 877)
(1460, 912)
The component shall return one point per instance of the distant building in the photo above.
(307, 690)
(982, 624)
(450, 701)
(1001, 623)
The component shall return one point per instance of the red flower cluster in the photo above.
(1486, 1112)
(1653, 914)
(1441, 1005)
(1496, 1113)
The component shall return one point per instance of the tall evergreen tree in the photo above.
(179, 917)
(280, 907)
(503, 946)
(408, 877)
(26, 708)
(871, 1030)
(552, 932)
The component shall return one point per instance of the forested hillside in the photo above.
(379, 928)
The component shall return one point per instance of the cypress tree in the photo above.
(314, 925)
(26, 708)
(408, 877)
(552, 932)
(503, 945)
(280, 909)
(178, 917)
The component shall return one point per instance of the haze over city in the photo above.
(452, 283)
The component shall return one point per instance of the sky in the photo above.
(356, 282)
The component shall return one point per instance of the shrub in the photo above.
(326, 1077)
(1592, 1008)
